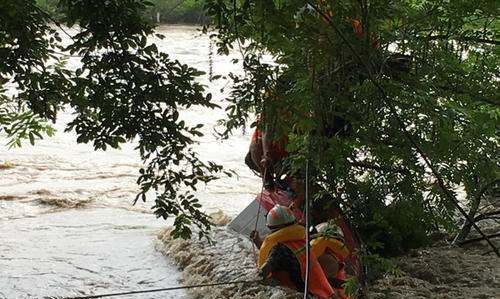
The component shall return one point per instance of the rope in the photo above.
(306, 216)
(257, 221)
(261, 190)
(162, 289)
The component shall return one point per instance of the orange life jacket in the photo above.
(322, 245)
(293, 237)
(356, 23)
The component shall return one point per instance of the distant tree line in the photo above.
(177, 11)
(167, 11)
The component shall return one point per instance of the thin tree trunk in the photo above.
(466, 228)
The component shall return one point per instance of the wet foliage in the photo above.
(125, 89)
(395, 103)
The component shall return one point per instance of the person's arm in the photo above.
(265, 270)
(254, 236)
(254, 156)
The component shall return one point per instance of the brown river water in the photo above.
(67, 223)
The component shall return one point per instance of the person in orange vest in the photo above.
(282, 255)
(328, 246)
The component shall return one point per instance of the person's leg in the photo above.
(256, 153)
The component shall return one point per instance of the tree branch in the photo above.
(486, 216)
(464, 38)
(361, 164)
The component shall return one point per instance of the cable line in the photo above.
(159, 290)
(306, 216)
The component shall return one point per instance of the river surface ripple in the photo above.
(67, 225)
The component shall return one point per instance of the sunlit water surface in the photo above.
(67, 223)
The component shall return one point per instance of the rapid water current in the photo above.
(67, 223)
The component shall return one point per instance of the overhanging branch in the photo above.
(379, 168)
(464, 38)
(488, 215)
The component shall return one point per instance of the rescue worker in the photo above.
(282, 255)
(268, 145)
(332, 253)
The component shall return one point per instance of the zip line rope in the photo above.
(160, 289)
(257, 220)
(264, 175)
(306, 216)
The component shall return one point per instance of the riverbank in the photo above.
(439, 271)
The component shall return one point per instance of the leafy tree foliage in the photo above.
(396, 103)
(124, 90)
(50, 7)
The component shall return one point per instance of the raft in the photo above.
(253, 217)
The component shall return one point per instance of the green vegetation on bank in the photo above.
(176, 11)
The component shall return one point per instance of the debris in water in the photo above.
(66, 202)
(6, 165)
(41, 192)
(11, 197)
(441, 272)
(219, 218)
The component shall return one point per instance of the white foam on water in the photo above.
(228, 258)
(67, 224)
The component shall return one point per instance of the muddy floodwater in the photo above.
(67, 223)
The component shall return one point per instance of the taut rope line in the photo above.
(158, 290)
